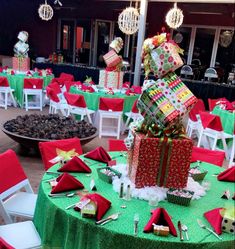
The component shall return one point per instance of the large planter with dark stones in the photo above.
(29, 130)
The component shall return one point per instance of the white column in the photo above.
(141, 36)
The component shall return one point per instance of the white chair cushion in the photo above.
(22, 204)
(21, 235)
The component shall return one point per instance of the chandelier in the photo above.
(174, 17)
(45, 11)
(128, 21)
(226, 38)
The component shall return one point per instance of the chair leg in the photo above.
(26, 102)
(100, 125)
(232, 156)
(6, 99)
(225, 147)
(200, 138)
(89, 118)
(13, 99)
(119, 127)
(41, 102)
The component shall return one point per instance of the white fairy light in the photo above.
(128, 21)
(45, 11)
(174, 17)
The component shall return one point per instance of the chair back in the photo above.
(33, 83)
(213, 102)
(199, 107)
(55, 86)
(211, 121)
(76, 100)
(208, 156)
(134, 108)
(68, 84)
(52, 94)
(211, 73)
(66, 77)
(4, 81)
(186, 70)
(11, 171)
(48, 149)
(116, 145)
(113, 104)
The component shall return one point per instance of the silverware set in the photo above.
(183, 228)
(108, 219)
(208, 229)
(62, 195)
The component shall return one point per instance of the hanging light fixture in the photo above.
(174, 17)
(226, 38)
(128, 21)
(45, 11)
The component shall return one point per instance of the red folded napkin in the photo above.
(228, 175)
(160, 217)
(5, 245)
(211, 121)
(75, 165)
(103, 204)
(99, 154)
(66, 182)
(215, 219)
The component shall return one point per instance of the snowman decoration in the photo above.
(21, 48)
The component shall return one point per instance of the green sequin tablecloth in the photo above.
(60, 228)
(92, 99)
(17, 83)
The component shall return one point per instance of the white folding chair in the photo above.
(6, 93)
(210, 74)
(21, 235)
(133, 115)
(13, 202)
(57, 100)
(33, 90)
(110, 109)
(194, 122)
(186, 72)
(211, 128)
(77, 106)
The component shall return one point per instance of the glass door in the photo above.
(102, 39)
(67, 40)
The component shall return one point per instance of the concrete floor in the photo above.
(33, 165)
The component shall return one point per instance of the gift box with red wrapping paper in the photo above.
(159, 161)
(112, 59)
(20, 63)
(112, 79)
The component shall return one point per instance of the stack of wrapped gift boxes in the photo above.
(21, 61)
(161, 152)
(112, 76)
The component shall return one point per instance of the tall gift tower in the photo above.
(21, 61)
(112, 76)
(161, 152)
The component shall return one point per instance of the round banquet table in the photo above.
(228, 122)
(92, 99)
(17, 83)
(60, 228)
(227, 119)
